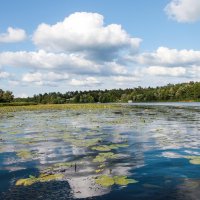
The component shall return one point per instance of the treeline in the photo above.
(6, 96)
(171, 92)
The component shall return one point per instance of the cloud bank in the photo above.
(83, 52)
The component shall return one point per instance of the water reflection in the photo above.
(139, 142)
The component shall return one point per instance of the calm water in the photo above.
(155, 146)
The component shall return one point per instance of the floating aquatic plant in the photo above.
(87, 142)
(102, 157)
(27, 181)
(24, 154)
(101, 148)
(108, 147)
(42, 178)
(195, 160)
(123, 180)
(107, 181)
(99, 170)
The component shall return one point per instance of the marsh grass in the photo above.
(6, 109)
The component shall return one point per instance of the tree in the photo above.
(6, 96)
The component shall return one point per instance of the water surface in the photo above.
(143, 151)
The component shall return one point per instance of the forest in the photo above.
(171, 92)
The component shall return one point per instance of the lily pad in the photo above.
(195, 160)
(123, 180)
(102, 157)
(42, 178)
(101, 148)
(105, 181)
(24, 154)
(108, 147)
(98, 170)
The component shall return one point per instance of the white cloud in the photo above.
(83, 46)
(184, 10)
(85, 33)
(89, 81)
(164, 56)
(4, 75)
(13, 83)
(44, 60)
(13, 35)
(80, 45)
(125, 79)
(70, 63)
(194, 71)
(32, 77)
(22, 95)
(113, 68)
(165, 71)
(39, 77)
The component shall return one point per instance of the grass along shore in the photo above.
(90, 106)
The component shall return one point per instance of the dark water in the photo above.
(157, 146)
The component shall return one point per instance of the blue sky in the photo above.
(82, 45)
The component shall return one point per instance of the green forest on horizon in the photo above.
(171, 92)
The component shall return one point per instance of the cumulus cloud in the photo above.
(85, 33)
(184, 10)
(194, 71)
(125, 79)
(43, 60)
(83, 46)
(4, 75)
(89, 82)
(71, 63)
(22, 95)
(13, 35)
(165, 71)
(13, 83)
(164, 56)
(113, 68)
(42, 78)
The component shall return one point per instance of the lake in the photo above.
(132, 151)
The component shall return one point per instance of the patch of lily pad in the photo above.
(24, 154)
(123, 180)
(109, 147)
(102, 157)
(195, 160)
(107, 181)
(73, 140)
(42, 178)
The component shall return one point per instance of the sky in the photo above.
(68, 45)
